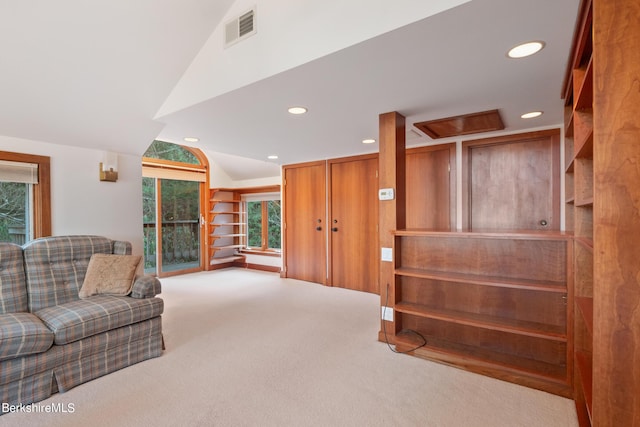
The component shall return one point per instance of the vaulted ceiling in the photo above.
(118, 74)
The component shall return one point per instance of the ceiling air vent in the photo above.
(240, 28)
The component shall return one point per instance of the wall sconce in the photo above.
(109, 167)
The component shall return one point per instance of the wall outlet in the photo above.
(386, 313)
(386, 254)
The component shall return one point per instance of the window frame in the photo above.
(253, 195)
(41, 190)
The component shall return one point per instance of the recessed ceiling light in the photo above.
(368, 141)
(525, 49)
(297, 110)
(191, 139)
(272, 157)
(531, 115)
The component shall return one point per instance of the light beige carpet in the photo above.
(246, 348)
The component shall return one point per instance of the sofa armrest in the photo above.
(146, 287)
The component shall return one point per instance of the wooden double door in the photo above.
(331, 222)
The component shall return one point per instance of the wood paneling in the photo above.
(465, 124)
(392, 213)
(353, 206)
(512, 182)
(305, 224)
(616, 216)
(431, 187)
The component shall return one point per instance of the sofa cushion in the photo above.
(56, 266)
(109, 275)
(83, 318)
(22, 334)
(13, 288)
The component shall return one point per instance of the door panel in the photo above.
(354, 221)
(430, 190)
(514, 184)
(180, 225)
(305, 222)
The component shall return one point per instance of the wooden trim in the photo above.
(464, 124)
(251, 190)
(170, 164)
(270, 268)
(579, 40)
(353, 158)
(391, 213)
(41, 191)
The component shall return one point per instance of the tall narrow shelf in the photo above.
(579, 216)
(226, 229)
(491, 302)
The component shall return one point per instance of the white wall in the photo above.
(289, 33)
(80, 203)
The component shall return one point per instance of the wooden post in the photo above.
(616, 160)
(391, 212)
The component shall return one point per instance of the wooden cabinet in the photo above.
(579, 193)
(227, 228)
(339, 250)
(493, 303)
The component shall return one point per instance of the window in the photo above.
(25, 200)
(263, 221)
(173, 187)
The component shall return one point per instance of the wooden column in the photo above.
(616, 156)
(391, 212)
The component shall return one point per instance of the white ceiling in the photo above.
(76, 73)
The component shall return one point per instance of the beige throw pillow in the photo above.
(109, 275)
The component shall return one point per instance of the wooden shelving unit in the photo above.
(491, 302)
(227, 229)
(579, 213)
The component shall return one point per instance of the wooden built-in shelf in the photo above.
(585, 304)
(584, 146)
(482, 280)
(533, 373)
(491, 301)
(219, 236)
(569, 168)
(225, 210)
(226, 260)
(225, 213)
(221, 248)
(513, 326)
(585, 370)
(585, 202)
(583, 97)
(484, 234)
(585, 243)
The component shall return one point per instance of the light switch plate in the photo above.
(386, 254)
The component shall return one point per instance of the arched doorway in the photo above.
(175, 180)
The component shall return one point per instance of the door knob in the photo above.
(334, 229)
(318, 228)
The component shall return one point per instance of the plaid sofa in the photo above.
(50, 339)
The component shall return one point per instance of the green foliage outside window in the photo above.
(13, 211)
(260, 238)
(273, 207)
(168, 151)
(254, 224)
